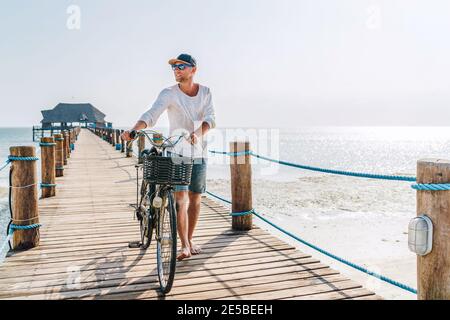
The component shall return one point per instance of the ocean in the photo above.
(361, 216)
(384, 150)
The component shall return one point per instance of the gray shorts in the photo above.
(198, 178)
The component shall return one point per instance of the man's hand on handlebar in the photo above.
(128, 135)
(193, 138)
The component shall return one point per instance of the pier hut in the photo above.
(65, 116)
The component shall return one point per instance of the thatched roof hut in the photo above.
(65, 113)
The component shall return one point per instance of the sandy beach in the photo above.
(363, 221)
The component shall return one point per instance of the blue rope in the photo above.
(12, 158)
(11, 229)
(5, 242)
(27, 227)
(242, 214)
(431, 186)
(311, 168)
(216, 196)
(351, 264)
(47, 144)
(5, 165)
(241, 153)
(47, 185)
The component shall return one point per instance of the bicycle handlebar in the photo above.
(165, 141)
(133, 134)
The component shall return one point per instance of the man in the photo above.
(189, 107)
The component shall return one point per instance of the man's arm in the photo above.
(200, 132)
(209, 120)
(139, 125)
(149, 118)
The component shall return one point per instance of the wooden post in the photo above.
(122, 142)
(48, 171)
(72, 138)
(113, 137)
(433, 269)
(241, 185)
(59, 155)
(141, 147)
(69, 141)
(129, 153)
(24, 200)
(65, 155)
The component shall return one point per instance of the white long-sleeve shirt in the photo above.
(186, 114)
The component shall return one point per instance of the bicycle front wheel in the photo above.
(145, 214)
(166, 245)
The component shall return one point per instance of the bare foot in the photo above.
(185, 252)
(195, 249)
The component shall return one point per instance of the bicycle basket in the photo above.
(168, 170)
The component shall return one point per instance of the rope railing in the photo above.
(317, 169)
(7, 162)
(24, 224)
(431, 186)
(41, 185)
(11, 226)
(416, 186)
(331, 255)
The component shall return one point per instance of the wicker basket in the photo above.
(168, 170)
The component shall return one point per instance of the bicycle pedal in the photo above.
(134, 244)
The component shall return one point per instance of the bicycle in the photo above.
(155, 205)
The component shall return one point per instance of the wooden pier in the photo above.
(83, 251)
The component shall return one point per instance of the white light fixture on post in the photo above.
(420, 235)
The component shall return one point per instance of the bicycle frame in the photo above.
(160, 190)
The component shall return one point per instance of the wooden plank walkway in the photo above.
(84, 254)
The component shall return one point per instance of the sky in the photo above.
(284, 63)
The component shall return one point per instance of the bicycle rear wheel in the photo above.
(166, 246)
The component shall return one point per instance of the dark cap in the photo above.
(184, 58)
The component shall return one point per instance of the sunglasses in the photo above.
(181, 66)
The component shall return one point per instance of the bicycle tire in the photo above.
(166, 246)
(146, 221)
